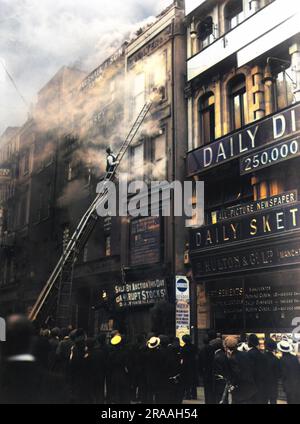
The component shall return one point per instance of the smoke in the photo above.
(38, 37)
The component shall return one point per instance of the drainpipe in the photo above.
(295, 60)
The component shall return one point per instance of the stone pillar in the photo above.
(258, 94)
(188, 96)
(269, 91)
(295, 59)
(254, 4)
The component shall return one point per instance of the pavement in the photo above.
(201, 399)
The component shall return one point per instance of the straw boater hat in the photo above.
(116, 340)
(285, 347)
(153, 343)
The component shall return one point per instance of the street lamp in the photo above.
(193, 31)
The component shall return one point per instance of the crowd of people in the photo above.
(64, 366)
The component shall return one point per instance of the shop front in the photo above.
(251, 276)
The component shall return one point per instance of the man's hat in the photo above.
(285, 347)
(231, 342)
(153, 343)
(116, 340)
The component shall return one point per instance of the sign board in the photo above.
(140, 293)
(270, 156)
(260, 301)
(183, 311)
(271, 255)
(276, 128)
(145, 241)
(287, 198)
(259, 225)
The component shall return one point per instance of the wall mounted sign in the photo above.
(269, 130)
(140, 293)
(145, 240)
(276, 254)
(150, 47)
(183, 312)
(270, 156)
(287, 198)
(249, 227)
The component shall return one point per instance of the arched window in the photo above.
(234, 14)
(238, 101)
(207, 117)
(205, 32)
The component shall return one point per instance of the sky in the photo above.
(38, 37)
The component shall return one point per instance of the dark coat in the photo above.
(206, 359)
(95, 364)
(260, 367)
(28, 383)
(189, 354)
(272, 375)
(242, 378)
(118, 360)
(290, 374)
(221, 374)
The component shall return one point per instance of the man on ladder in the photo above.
(111, 162)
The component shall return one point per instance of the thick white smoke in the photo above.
(38, 37)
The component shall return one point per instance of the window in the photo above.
(26, 162)
(138, 94)
(137, 161)
(207, 118)
(238, 102)
(284, 88)
(254, 5)
(234, 14)
(23, 205)
(66, 237)
(205, 32)
(107, 246)
(159, 156)
(85, 253)
(158, 74)
(267, 188)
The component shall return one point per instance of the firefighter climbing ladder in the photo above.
(57, 293)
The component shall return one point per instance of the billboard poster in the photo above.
(183, 310)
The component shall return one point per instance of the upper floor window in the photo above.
(238, 102)
(205, 32)
(284, 88)
(159, 161)
(137, 161)
(139, 94)
(234, 14)
(207, 117)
